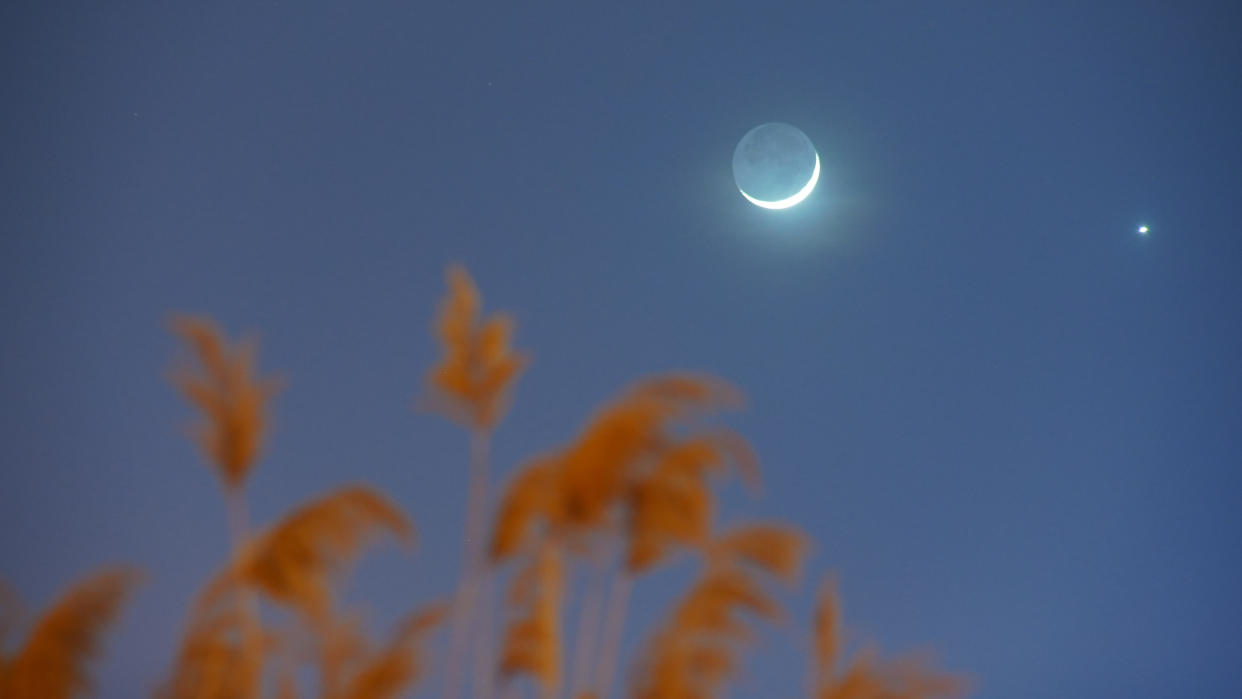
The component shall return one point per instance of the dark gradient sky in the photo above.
(1010, 422)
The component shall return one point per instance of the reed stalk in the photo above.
(238, 513)
(472, 568)
(614, 623)
(588, 623)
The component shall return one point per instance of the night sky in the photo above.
(1009, 421)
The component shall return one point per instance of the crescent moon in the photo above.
(788, 201)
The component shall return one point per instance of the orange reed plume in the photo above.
(52, 663)
(777, 550)
(398, 665)
(626, 437)
(696, 651)
(223, 648)
(294, 560)
(636, 473)
(533, 639)
(223, 660)
(578, 490)
(297, 562)
(530, 497)
(670, 504)
(472, 382)
(232, 399)
(365, 670)
(868, 677)
(471, 385)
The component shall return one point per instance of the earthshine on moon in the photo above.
(775, 166)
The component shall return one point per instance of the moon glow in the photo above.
(775, 166)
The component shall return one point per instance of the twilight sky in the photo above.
(1010, 422)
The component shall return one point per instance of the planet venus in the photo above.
(775, 166)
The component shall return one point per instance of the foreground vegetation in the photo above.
(632, 491)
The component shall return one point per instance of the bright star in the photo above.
(1142, 230)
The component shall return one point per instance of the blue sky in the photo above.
(1009, 421)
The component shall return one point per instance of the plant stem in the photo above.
(471, 564)
(618, 598)
(588, 623)
(238, 517)
(484, 661)
(239, 531)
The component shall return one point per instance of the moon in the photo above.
(775, 166)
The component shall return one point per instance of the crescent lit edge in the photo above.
(788, 201)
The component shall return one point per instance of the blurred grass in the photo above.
(632, 492)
